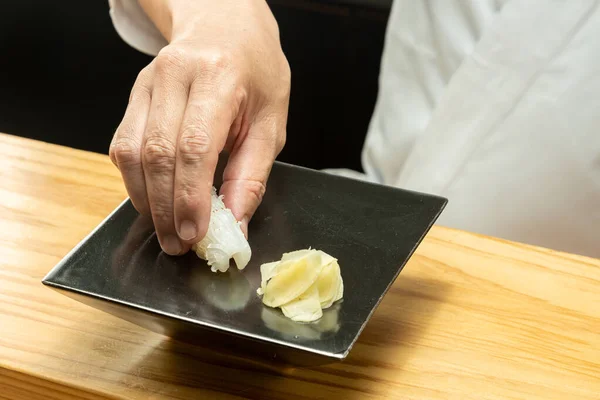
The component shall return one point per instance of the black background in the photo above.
(65, 74)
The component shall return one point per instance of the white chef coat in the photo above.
(494, 104)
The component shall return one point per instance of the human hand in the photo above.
(222, 83)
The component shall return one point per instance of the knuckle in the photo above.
(194, 145)
(171, 58)
(218, 59)
(159, 153)
(112, 157)
(285, 91)
(284, 78)
(240, 95)
(111, 149)
(124, 152)
(280, 141)
(281, 88)
(256, 189)
(273, 125)
(185, 198)
(162, 215)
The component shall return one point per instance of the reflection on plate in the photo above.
(288, 329)
(228, 291)
(140, 256)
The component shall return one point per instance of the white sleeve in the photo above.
(134, 26)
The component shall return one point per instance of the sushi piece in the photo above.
(224, 239)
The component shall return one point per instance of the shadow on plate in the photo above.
(140, 360)
(386, 343)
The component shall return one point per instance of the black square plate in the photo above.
(371, 229)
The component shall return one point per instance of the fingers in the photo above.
(169, 99)
(204, 131)
(125, 149)
(245, 177)
(182, 111)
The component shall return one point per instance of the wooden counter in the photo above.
(469, 317)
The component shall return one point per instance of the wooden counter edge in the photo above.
(20, 385)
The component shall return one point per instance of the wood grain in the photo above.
(470, 317)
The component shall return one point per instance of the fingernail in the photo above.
(244, 226)
(171, 245)
(188, 230)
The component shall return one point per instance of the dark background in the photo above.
(65, 74)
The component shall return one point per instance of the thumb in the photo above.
(248, 168)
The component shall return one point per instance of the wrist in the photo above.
(160, 13)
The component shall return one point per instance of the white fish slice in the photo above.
(224, 239)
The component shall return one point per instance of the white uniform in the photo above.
(492, 104)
